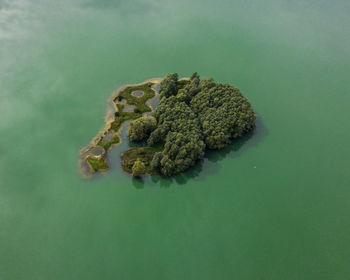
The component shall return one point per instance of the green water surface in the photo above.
(275, 205)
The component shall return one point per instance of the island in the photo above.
(192, 115)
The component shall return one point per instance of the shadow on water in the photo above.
(140, 182)
(209, 164)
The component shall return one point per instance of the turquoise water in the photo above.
(273, 206)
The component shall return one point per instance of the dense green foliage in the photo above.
(138, 168)
(141, 128)
(179, 127)
(145, 154)
(192, 115)
(168, 85)
(224, 113)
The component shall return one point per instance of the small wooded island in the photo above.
(192, 115)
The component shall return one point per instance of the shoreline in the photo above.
(84, 165)
(108, 119)
(112, 109)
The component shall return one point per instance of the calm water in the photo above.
(275, 205)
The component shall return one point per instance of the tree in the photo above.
(138, 168)
(141, 128)
(168, 166)
(155, 162)
(190, 117)
(168, 85)
(207, 83)
(224, 113)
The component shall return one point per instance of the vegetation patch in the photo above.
(121, 117)
(139, 102)
(141, 128)
(98, 163)
(191, 116)
(107, 144)
(143, 154)
(124, 98)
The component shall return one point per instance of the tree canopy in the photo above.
(224, 113)
(141, 128)
(191, 116)
(138, 168)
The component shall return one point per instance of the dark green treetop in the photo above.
(191, 117)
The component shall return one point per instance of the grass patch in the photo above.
(120, 118)
(97, 163)
(139, 102)
(145, 154)
(106, 145)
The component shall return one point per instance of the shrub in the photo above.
(141, 128)
(138, 168)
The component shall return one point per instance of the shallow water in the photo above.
(272, 206)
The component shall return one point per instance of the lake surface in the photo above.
(275, 205)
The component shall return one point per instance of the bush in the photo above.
(138, 168)
(155, 163)
(141, 128)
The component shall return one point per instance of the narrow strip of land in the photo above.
(128, 103)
